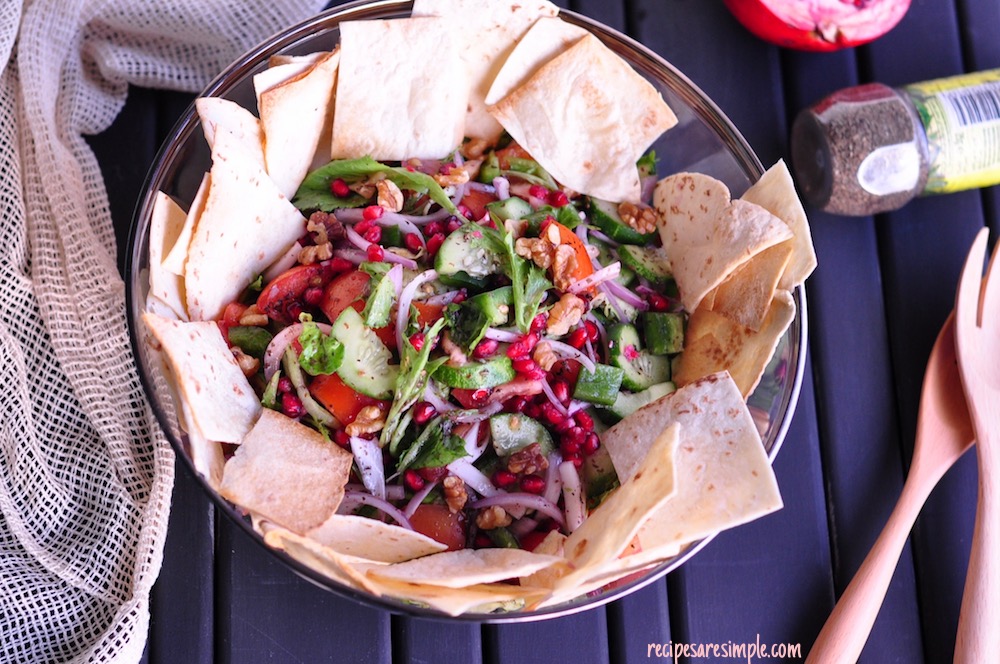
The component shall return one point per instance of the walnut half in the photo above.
(565, 314)
(493, 517)
(454, 493)
(369, 420)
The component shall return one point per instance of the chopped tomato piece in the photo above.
(281, 297)
(342, 292)
(344, 402)
(476, 201)
(428, 313)
(440, 524)
(512, 150)
(470, 398)
(230, 318)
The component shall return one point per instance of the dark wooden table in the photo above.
(883, 288)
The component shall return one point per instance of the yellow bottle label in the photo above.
(961, 116)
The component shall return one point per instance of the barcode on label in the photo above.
(973, 105)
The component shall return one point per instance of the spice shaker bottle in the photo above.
(873, 148)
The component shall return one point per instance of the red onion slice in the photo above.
(547, 389)
(368, 456)
(353, 499)
(503, 336)
(392, 491)
(600, 276)
(443, 299)
(553, 481)
(566, 351)
(405, 225)
(625, 295)
(418, 499)
(352, 255)
(406, 298)
(523, 500)
(502, 187)
(390, 257)
(465, 471)
(572, 489)
(598, 235)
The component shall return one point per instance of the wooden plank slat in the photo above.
(265, 613)
(426, 640)
(581, 638)
(636, 621)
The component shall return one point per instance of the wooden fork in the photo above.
(977, 345)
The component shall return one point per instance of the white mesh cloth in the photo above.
(85, 473)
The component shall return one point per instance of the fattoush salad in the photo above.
(435, 323)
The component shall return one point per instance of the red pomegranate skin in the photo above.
(818, 25)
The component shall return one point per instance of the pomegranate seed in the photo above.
(285, 384)
(341, 438)
(372, 212)
(584, 420)
(577, 338)
(313, 296)
(485, 348)
(373, 234)
(480, 396)
(557, 199)
(434, 243)
(538, 191)
(291, 405)
(575, 458)
(560, 388)
(515, 404)
(413, 481)
(504, 478)
(338, 265)
(658, 303)
(525, 365)
(523, 346)
(460, 297)
(413, 242)
(591, 443)
(532, 410)
(630, 352)
(363, 226)
(539, 322)
(454, 224)
(435, 474)
(417, 340)
(423, 412)
(564, 426)
(533, 484)
(568, 447)
(376, 254)
(552, 414)
(433, 228)
(339, 188)
(592, 332)
(482, 541)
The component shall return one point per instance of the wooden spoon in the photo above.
(944, 433)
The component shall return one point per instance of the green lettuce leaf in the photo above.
(321, 353)
(415, 368)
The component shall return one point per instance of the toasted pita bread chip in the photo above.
(279, 59)
(724, 478)
(745, 296)
(715, 343)
(401, 91)
(488, 31)
(287, 472)
(245, 226)
(221, 402)
(314, 555)
(278, 72)
(775, 192)
(465, 567)
(176, 260)
(206, 455)
(371, 539)
(220, 115)
(546, 39)
(481, 597)
(553, 544)
(609, 528)
(165, 226)
(589, 91)
(295, 115)
(706, 235)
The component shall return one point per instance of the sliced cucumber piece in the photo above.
(604, 215)
(477, 375)
(495, 304)
(606, 257)
(641, 369)
(467, 250)
(511, 207)
(598, 473)
(648, 262)
(629, 402)
(513, 432)
(600, 387)
(664, 332)
(365, 367)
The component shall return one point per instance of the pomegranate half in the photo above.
(818, 25)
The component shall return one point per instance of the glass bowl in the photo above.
(704, 140)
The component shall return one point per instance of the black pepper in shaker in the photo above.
(873, 148)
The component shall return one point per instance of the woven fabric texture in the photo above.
(85, 473)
